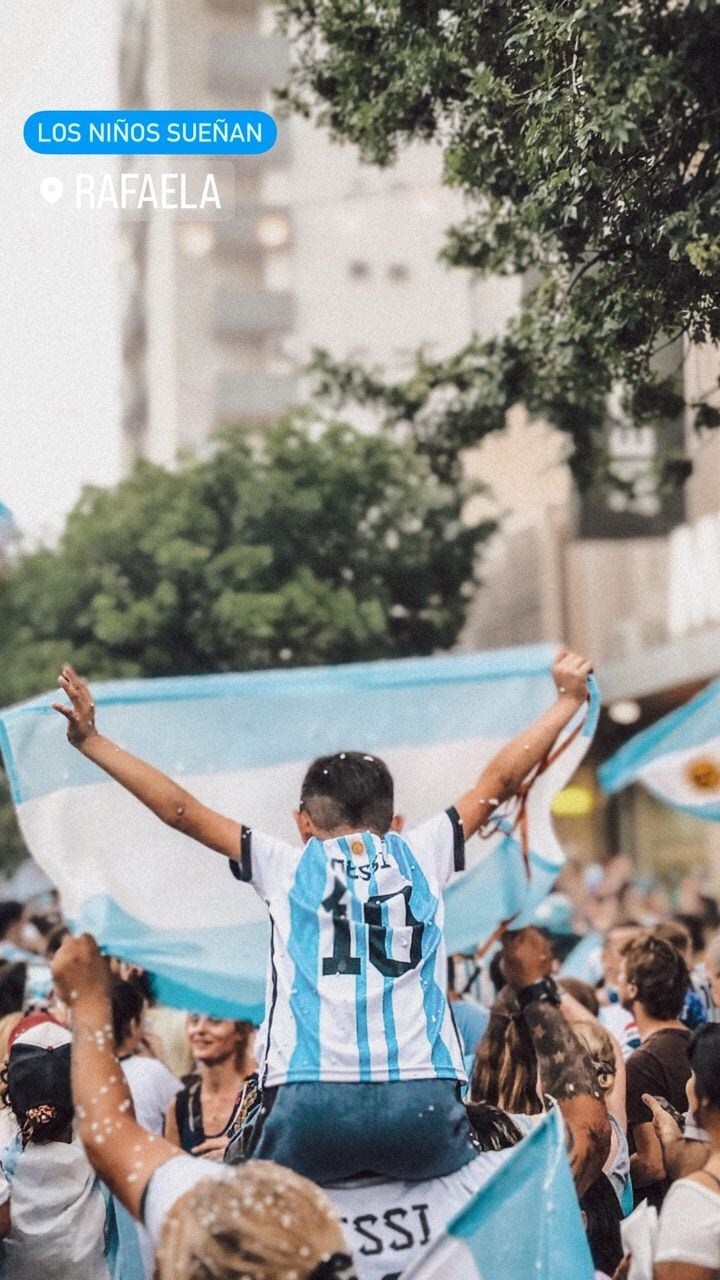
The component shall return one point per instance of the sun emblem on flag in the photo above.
(704, 773)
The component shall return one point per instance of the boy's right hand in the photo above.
(570, 672)
(80, 715)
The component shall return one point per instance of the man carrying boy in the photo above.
(361, 1067)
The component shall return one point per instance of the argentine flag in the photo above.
(525, 1222)
(677, 759)
(241, 743)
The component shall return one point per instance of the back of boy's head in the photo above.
(38, 1080)
(348, 790)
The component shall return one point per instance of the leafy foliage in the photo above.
(313, 546)
(585, 137)
(308, 547)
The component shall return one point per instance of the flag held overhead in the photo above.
(240, 743)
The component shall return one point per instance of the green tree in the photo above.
(310, 546)
(314, 545)
(585, 137)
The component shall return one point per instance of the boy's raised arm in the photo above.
(168, 801)
(502, 777)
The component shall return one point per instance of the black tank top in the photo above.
(188, 1116)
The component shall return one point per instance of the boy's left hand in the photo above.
(80, 715)
(570, 672)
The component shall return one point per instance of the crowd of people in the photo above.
(386, 1085)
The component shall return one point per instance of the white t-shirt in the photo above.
(689, 1229)
(358, 972)
(57, 1213)
(387, 1225)
(152, 1088)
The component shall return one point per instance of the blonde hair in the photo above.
(261, 1222)
(505, 1071)
(596, 1039)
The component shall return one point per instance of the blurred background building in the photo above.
(216, 320)
(219, 319)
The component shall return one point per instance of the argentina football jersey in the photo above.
(357, 980)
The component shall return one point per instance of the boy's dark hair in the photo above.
(660, 974)
(348, 790)
(127, 1006)
(704, 1056)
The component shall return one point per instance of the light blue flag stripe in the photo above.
(688, 728)
(303, 713)
(677, 759)
(157, 899)
(218, 970)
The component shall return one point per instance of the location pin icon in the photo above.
(51, 190)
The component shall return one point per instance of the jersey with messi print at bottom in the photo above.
(358, 968)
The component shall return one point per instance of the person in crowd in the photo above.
(694, 1010)
(152, 1086)
(582, 992)
(688, 1245)
(204, 1217)
(711, 975)
(15, 933)
(684, 1145)
(531, 1058)
(199, 1117)
(610, 1070)
(653, 983)
(164, 1028)
(470, 1018)
(613, 1015)
(13, 976)
(505, 1072)
(57, 1219)
(602, 1215)
(357, 899)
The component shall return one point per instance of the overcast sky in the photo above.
(59, 349)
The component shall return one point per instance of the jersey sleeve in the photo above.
(264, 862)
(440, 844)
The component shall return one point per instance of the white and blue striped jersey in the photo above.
(358, 970)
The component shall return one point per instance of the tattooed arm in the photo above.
(566, 1071)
